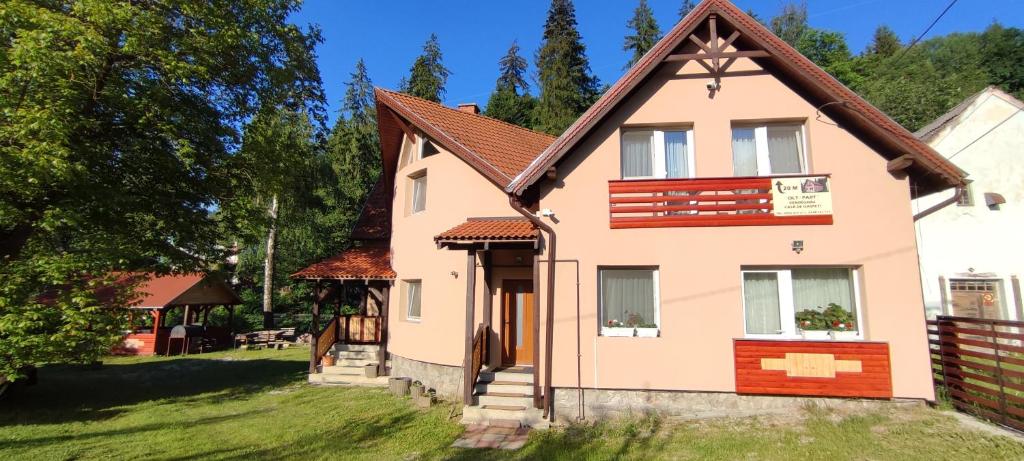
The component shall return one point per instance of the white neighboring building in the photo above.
(972, 252)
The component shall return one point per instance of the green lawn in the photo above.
(256, 405)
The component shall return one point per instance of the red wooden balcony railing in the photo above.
(703, 202)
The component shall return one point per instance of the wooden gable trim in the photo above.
(874, 127)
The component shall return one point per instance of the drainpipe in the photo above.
(943, 204)
(513, 200)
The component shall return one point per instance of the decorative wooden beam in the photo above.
(701, 44)
(732, 38)
(401, 124)
(713, 25)
(725, 54)
(899, 165)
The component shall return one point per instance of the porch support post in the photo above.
(156, 320)
(231, 321)
(467, 364)
(382, 352)
(1018, 299)
(488, 300)
(314, 328)
(536, 330)
(340, 288)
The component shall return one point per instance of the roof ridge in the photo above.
(490, 119)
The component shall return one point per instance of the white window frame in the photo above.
(764, 162)
(658, 164)
(408, 300)
(787, 309)
(600, 292)
(421, 145)
(413, 180)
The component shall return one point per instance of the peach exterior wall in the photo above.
(455, 191)
(701, 306)
(700, 280)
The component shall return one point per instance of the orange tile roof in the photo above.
(374, 221)
(498, 149)
(477, 229)
(367, 262)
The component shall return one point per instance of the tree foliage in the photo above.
(511, 101)
(884, 42)
(686, 8)
(791, 23)
(428, 76)
(567, 87)
(117, 121)
(646, 33)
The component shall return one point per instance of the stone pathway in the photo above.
(505, 438)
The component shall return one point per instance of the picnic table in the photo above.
(277, 339)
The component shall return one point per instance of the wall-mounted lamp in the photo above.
(798, 246)
(545, 213)
(454, 274)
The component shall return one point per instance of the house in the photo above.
(971, 252)
(188, 297)
(728, 224)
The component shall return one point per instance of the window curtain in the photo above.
(744, 152)
(816, 288)
(784, 148)
(761, 301)
(419, 194)
(637, 158)
(414, 299)
(675, 155)
(627, 295)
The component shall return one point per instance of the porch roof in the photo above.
(359, 263)
(502, 229)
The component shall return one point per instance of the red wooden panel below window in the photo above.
(756, 376)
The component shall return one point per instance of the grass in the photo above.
(256, 405)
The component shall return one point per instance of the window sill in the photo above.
(629, 332)
(849, 336)
(412, 320)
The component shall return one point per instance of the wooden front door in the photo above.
(517, 322)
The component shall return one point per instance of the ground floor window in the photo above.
(795, 302)
(412, 292)
(629, 301)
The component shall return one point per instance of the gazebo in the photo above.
(194, 294)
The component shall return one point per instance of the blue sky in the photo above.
(475, 34)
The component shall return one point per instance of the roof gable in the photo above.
(498, 150)
(929, 132)
(160, 291)
(929, 170)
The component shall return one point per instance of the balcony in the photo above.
(720, 202)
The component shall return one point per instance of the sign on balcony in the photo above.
(803, 196)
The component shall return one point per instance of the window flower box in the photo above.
(617, 331)
(647, 332)
(844, 335)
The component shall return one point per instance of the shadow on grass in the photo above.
(69, 393)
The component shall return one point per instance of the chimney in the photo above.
(470, 107)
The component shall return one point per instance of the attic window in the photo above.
(427, 148)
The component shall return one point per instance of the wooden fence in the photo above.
(979, 365)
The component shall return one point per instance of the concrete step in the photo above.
(355, 347)
(504, 399)
(347, 380)
(360, 355)
(503, 415)
(354, 362)
(522, 375)
(504, 387)
(344, 370)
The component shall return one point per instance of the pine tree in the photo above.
(510, 100)
(791, 23)
(645, 33)
(686, 8)
(567, 87)
(884, 43)
(428, 75)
